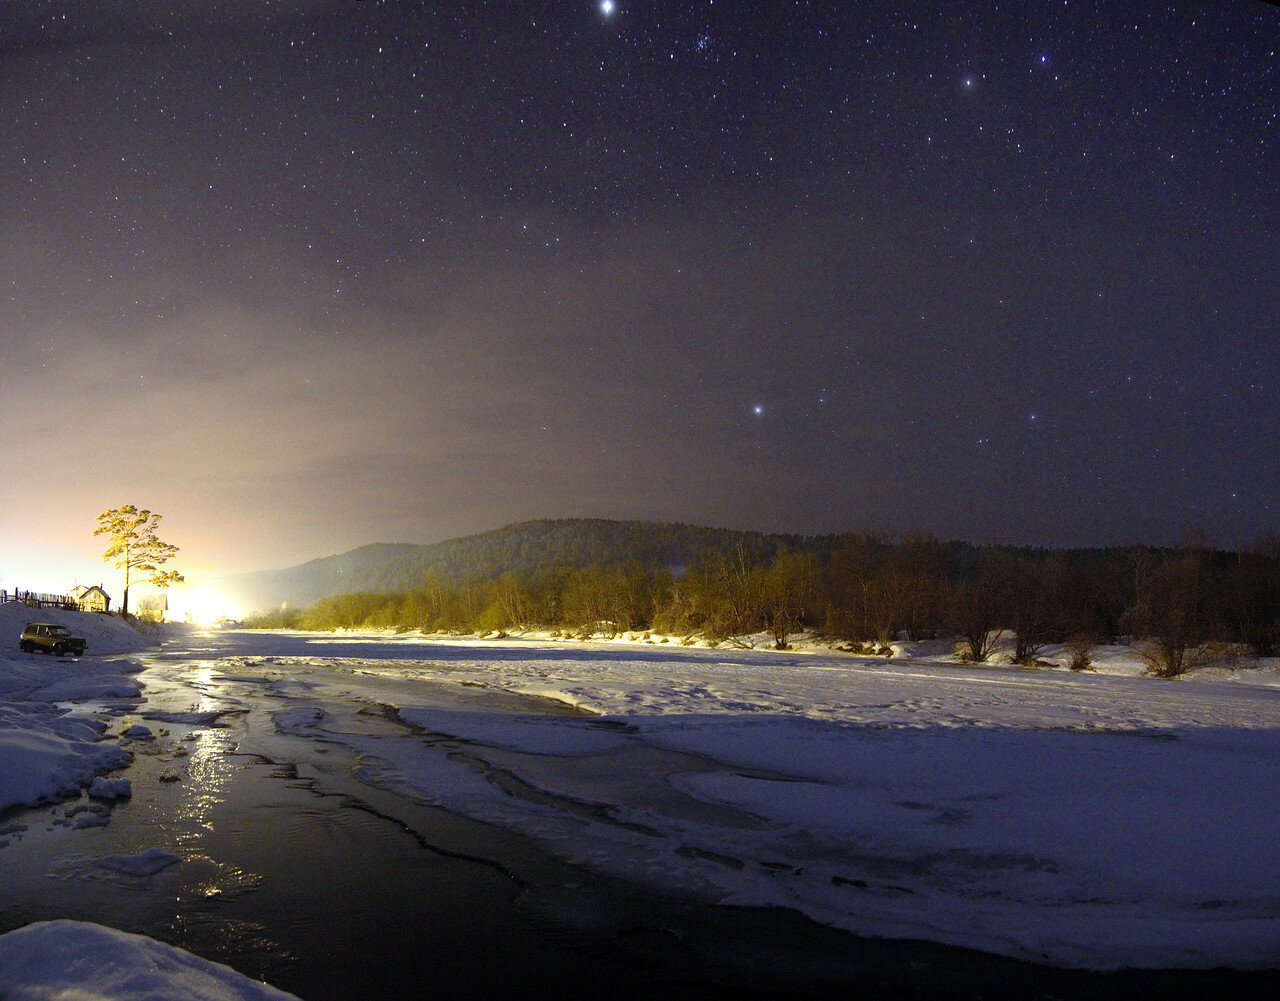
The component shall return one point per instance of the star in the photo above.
(606, 7)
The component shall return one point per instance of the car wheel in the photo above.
(24, 647)
(57, 650)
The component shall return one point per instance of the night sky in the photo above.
(306, 274)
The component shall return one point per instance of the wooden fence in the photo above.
(34, 599)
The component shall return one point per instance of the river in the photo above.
(296, 872)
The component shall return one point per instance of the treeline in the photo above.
(866, 591)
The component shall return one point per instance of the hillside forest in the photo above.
(1179, 606)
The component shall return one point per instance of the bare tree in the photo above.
(1033, 597)
(973, 608)
(1172, 613)
(786, 588)
(739, 601)
(512, 595)
(971, 613)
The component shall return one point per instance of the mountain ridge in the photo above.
(520, 546)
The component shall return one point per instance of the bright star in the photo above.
(606, 7)
(757, 410)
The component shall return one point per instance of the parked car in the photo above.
(51, 638)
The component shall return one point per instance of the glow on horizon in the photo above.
(200, 604)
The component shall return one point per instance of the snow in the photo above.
(47, 752)
(105, 788)
(1101, 820)
(41, 761)
(57, 960)
(104, 634)
(90, 686)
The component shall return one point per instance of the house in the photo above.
(90, 599)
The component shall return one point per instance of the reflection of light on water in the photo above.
(209, 879)
(203, 683)
(206, 787)
(208, 775)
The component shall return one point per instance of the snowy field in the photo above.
(1099, 820)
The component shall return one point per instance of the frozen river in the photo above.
(362, 818)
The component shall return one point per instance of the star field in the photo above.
(330, 271)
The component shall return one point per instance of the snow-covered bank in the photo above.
(106, 634)
(45, 757)
(46, 751)
(63, 960)
(1091, 820)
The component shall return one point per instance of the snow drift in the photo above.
(62, 960)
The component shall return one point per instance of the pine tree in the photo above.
(135, 548)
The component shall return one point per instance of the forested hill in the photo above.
(572, 542)
(594, 576)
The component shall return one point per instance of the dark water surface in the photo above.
(296, 873)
